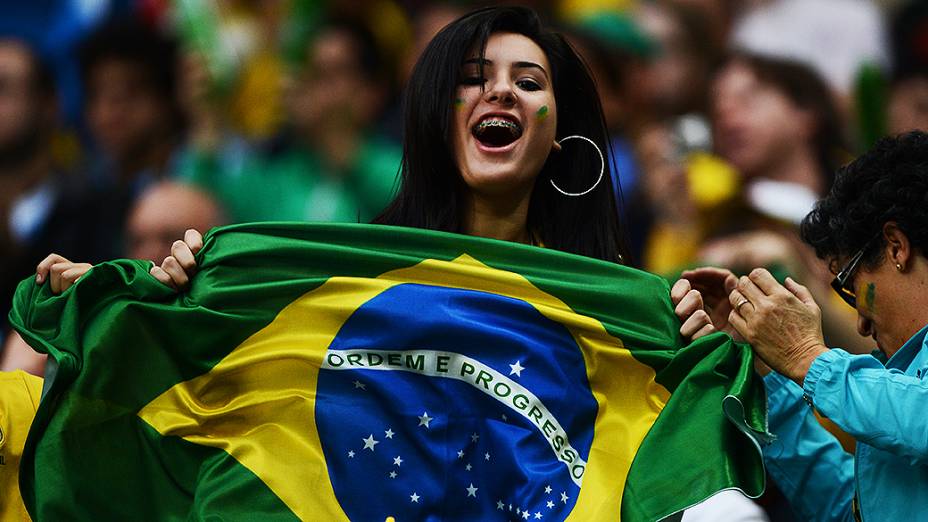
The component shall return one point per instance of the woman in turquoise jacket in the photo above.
(873, 230)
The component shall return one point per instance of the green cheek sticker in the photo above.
(871, 294)
(542, 113)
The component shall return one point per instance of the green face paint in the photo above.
(458, 103)
(868, 299)
(542, 113)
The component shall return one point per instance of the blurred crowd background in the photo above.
(122, 123)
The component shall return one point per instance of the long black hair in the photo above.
(432, 194)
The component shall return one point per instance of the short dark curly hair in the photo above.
(888, 183)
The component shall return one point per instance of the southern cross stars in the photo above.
(548, 490)
(471, 490)
(424, 419)
(369, 442)
(397, 461)
(550, 505)
(359, 384)
(388, 434)
(564, 497)
(414, 497)
(516, 369)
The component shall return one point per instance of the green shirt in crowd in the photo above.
(295, 184)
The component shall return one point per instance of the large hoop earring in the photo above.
(602, 167)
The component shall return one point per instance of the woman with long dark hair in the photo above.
(505, 138)
(481, 149)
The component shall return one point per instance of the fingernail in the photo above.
(38, 278)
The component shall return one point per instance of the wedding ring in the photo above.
(741, 303)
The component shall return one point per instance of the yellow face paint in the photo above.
(458, 103)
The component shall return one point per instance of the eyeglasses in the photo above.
(840, 282)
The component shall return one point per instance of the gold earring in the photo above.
(899, 267)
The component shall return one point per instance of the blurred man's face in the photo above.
(161, 216)
(333, 89)
(754, 124)
(125, 114)
(19, 120)
(908, 106)
(672, 81)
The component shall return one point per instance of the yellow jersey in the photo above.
(19, 398)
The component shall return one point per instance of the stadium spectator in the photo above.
(870, 228)
(328, 165)
(161, 215)
(775, 121)
(131, 108)
(908, 99)
(42, 208)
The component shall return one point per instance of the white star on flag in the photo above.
(369, 442)
(424, 419)
(468, 467)
(414, 497)
(471, 490)
(474, 437)
(537, 515)
(564, 497)
(388, 434)
(525, 515)
(460, 454)
(516, 369)
(486, 456)
(499, 505)
(548, 489)
(550, 505)
(351, 454)
(505, 418)
(397, 461)
(359, 384)
(392, 474)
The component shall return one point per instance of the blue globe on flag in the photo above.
(423, 416)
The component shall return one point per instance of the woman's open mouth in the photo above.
(496, 131)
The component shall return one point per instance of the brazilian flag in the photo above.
(357, 372)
